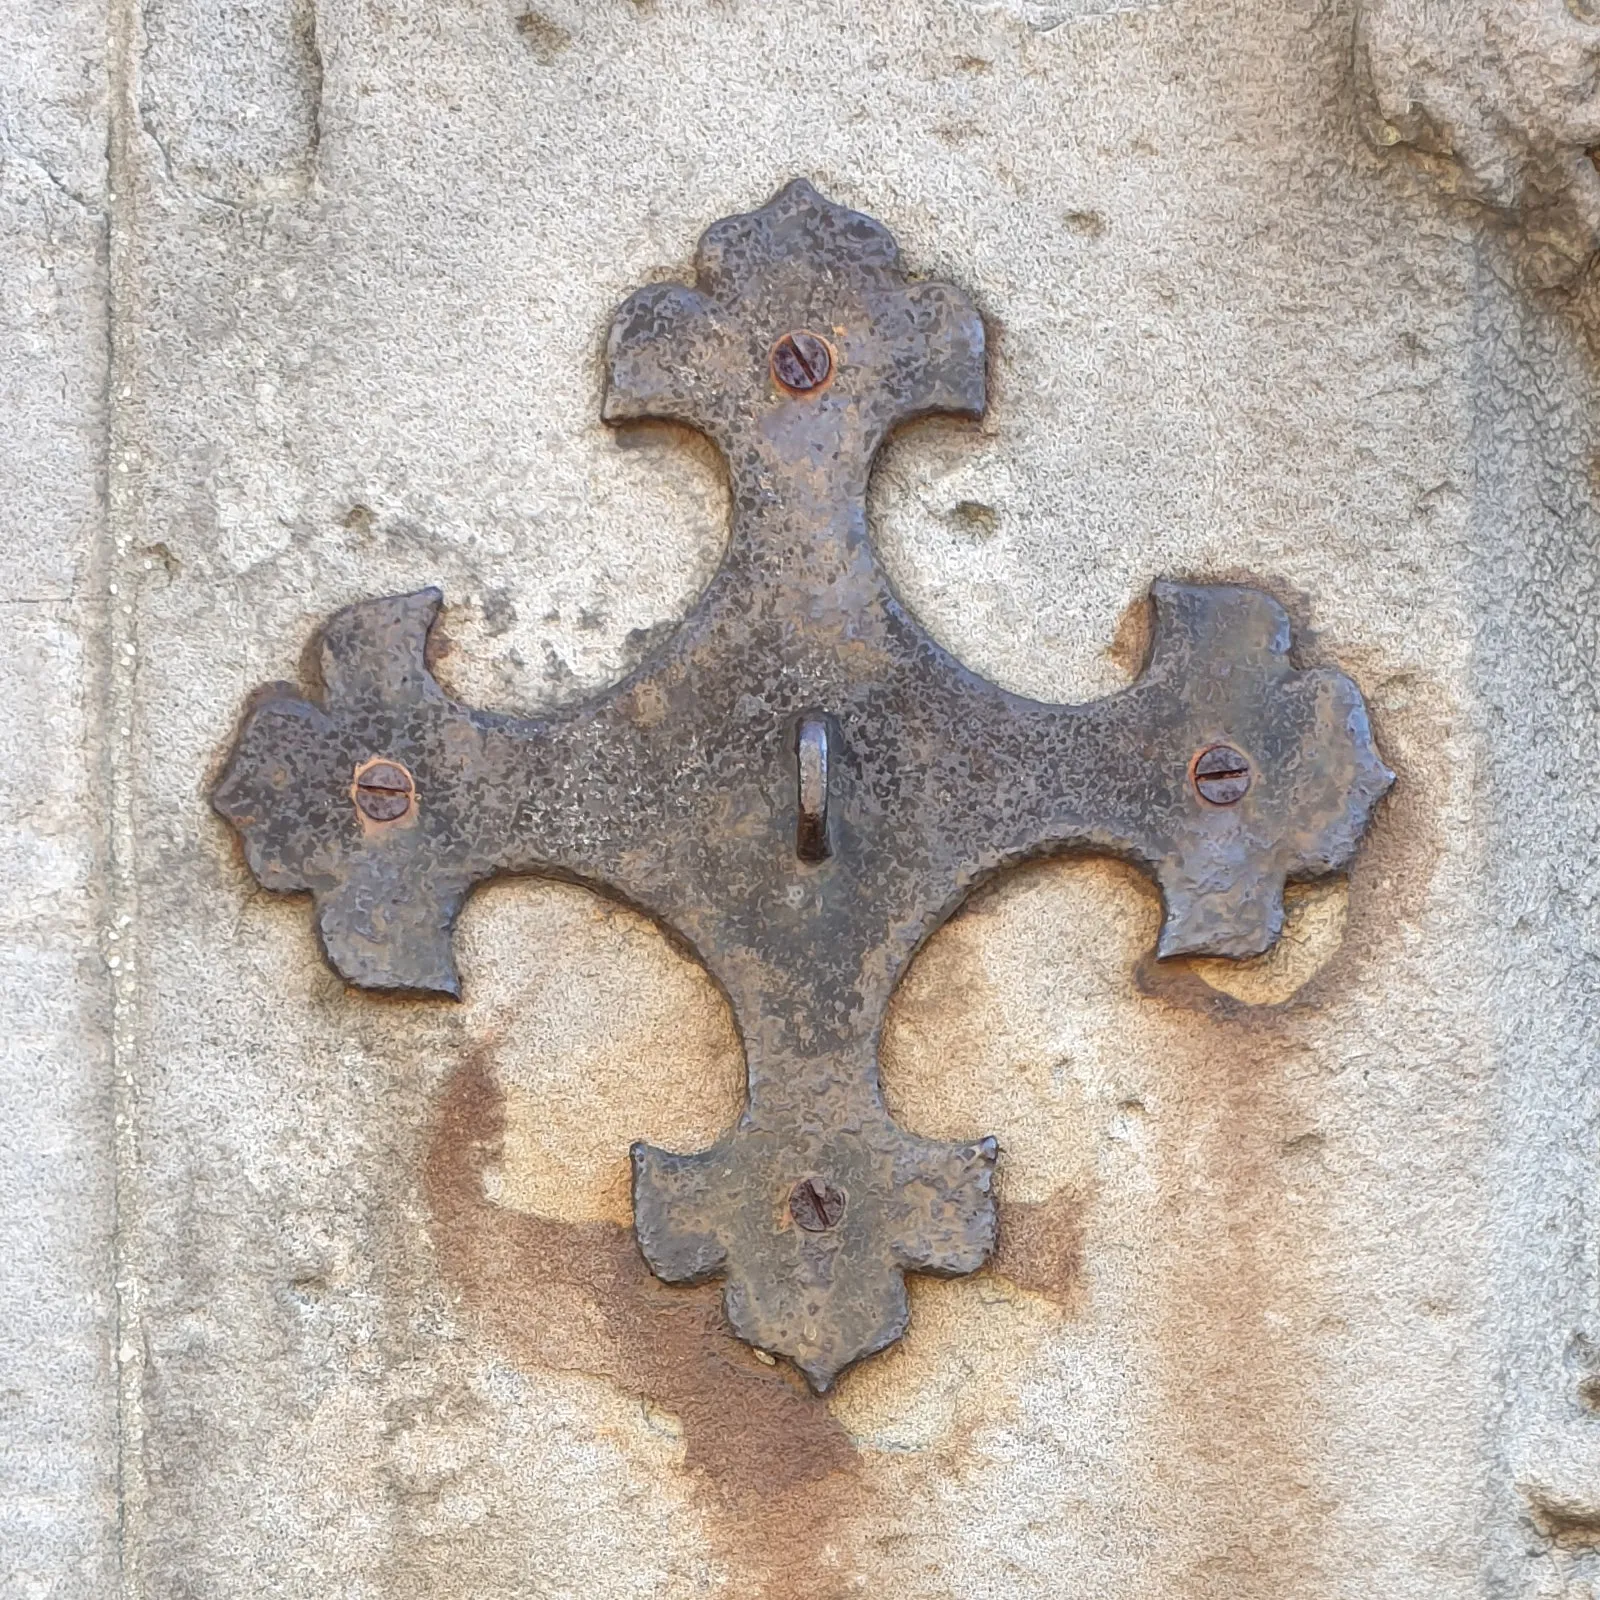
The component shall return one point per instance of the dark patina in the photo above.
(801, 783)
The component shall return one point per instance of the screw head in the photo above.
(816, 1205)
(1221, 775)
(801, 361)
(383, 791)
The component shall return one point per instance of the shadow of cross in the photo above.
(801, 783)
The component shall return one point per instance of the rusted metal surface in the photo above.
(802, 783)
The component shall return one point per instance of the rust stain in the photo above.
(646, 704)
(1234, 1295)
(1130, 644)
(1040, 1247)
(1238, 1337)
(1237, 1347)
(1227, 1286)
(1314, 924)
(777, 1476)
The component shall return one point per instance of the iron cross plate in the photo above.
(801, 784)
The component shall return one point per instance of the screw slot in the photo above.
(383, 790)
(1222, 775)
(801, 362)
(816, 1205)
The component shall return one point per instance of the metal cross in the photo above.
(801, 783)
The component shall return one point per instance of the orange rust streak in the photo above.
(1239, 1367)
(778, 1477)
(1040, 1247)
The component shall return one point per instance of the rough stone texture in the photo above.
(58, 1398)
(1297, 1292)
(1500, 100)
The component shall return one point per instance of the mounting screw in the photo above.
(1221, 775)
(816, 1205)
(383, 790)
(801, 362)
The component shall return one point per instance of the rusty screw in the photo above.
(383, 791)
(801, 362)
(1221, 775)
(816, 1205)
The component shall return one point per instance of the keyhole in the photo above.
(811, 827)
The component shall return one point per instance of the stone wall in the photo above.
(319, 1294)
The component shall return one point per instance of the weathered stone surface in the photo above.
(1297, 1291)
(58, 1398)
(244, 135)
(1499, 100)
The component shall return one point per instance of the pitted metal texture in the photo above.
(801, 783)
